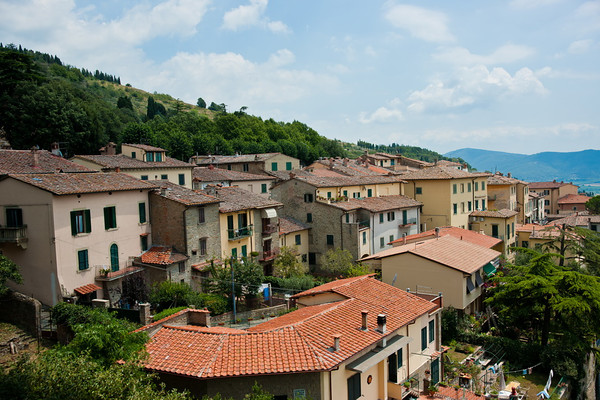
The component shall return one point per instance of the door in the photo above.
(435, 371)
(230, 232)
(114, 257)
(393, 368)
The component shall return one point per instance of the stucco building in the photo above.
(254, 183)
(551, 192)
(252, 163)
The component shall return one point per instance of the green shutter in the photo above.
(106, 218)
(142, 207)
(114, 216)
(424, 338)
(88, 221)
(73, 223)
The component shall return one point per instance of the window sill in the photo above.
(83, 234)
(112, 229)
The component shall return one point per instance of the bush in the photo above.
(167, 312)
(303, 282)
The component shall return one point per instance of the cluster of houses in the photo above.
(78, 228)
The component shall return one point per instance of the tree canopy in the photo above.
(9, 271)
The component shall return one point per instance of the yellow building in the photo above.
(496, 223)
(252, 163)
(448, 195)
(140, 161)
(294, 234)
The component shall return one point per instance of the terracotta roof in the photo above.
(233, 198)
(379, 156)
(240, 158)
(574, 199)
(447, 250)
(320, 181)
(447, 163)
(581, 218)
(351, 168)
(438, 172)
(85, 289)
(300, 341)
(144, 147)
(325, 172)
(204, 174)
(499, 179)
(88, 182)
(504, 213)
(464, 234)
(539, 231)
(289, 225)
(447, 392)
(182, 194)
(162, 255)
(124, 162)
(547, 185)
(22, 162)
(378, 204)
(206, 329)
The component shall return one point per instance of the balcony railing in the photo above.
(364, 224)
(104, 273)
(240, 233)
(16, 235)
(269, 229)
(498, 236)
(408, 221)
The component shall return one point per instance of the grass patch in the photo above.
(532, 383)
(456, 356)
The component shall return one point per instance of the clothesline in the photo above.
(525, 371)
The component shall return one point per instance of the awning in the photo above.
(269, 213)
(85, 289)
(379, 354)
(489, 269)
(470, 286)
(478, 279)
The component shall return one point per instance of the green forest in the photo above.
(45, 101)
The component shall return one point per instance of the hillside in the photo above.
(581, 167)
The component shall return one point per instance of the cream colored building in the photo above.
(73, 234)
(551, 192)
(448, 265)
(140, 161)
(252, 163)
(294, 234)
(448, 195)
(254, 183)
(497, 223)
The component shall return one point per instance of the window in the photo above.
(309, 217)
(454, 191)
(382, 242)
(229, 167)
(304, 258)
(245, 167)
(133, 155)
(142, 212)
(495, 230)
(470, 286)
(244, 251)
(312, 258)
(477, 204)
(354, 391)
(144, 177)
(393, 368)
(469, 187)
(80, 222)
(329, 240)
(288, 166)
(419, 190)
(234, 253)
(110, 217)
(546, 202)
(263, 188)
(356, 195)
(462, 207)
(399, 355)
(483, 204)
(345, 193)
(181, 266)
(308, 197)
(431, 330)
(404, 217)
(164, 177)
(298, 240)
(364, 238)
(391, 238)
(381, 218)
(144, 242)
(470, 206)
(424, 338)
(202, 246)
(114, 257)
(14, 217)
(391, 216)
(159, 157)
(482, 185)
(328, 195)
(149, 156)
(525, 244)
(476, 186)
(273, 166)
(182, 179)
(455, 208)
(201, 215)
(369, 192)
(82, 260)
(347, 218)
(462, 187)
(507, 231)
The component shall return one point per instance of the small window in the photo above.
(82, 260)
(304, 258)
(273, 166)
(288, 166)
(424, 338)
(329, 240)
(308, 217)
(391, 216)
(482, 185)
(483, 204)
(229, 167)
(14, 217)
(263, 188)
(298, 239)
(381, 218)
(234, 253)
(182, 179)
(470, 206)
(454, 188)
(244, 251)
(469, 187)
(159, 157)
(399, 355)
(80, 222)
(391, 238)
(144, 177)
(431, 330)
(354, 390)
(419, 190)
(114, 257)
(369, 192)
(347, 218)
(142, 212)
(470, 286)
(133, 154)
(382, 242)
(455, 208)
(477, 204)
(181, 267)
(201, 215)
(150, 156)
(476, 186)
(462, 207)
(144, 242)
(245, 167)
(462, 187)
(110, 217)
(328, 195)
(164, 177)
(202, 246)
(308, 197)
(364, 237)
(345, 192)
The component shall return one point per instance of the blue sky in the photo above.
(518, 76)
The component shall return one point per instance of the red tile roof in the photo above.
(326, 173)
(204, 174)
(162, 255)
(85, 182)
(289, 225)
(582, 219)
(574, 199)
(438, 172)
(504, 213)
(122, 161)
(89, 288)
(233, 198)
(547, 185)
(448, 392)
(300, 341)
(446, 250)
(182, 194)
(322, 181)
(378, 204)
(499, 179)
(22, 162)
(464, 234)
(145, 147)
(240, 158)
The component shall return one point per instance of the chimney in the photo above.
(55, 149)
(117, 169)
(292, 175)
(437, 232)
(210, 166)
(111, 149)
(36, 156)
(364, 314)
(381, 323)
(336, 342)
(163, 191)
(404, 238)
(509, 175)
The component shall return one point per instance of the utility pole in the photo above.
(233, 292)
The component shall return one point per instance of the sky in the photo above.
(518, 76)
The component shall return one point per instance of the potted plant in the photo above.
(432, 389)
(104, 271)
(406, 384)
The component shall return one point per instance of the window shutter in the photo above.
(142, 207)
(88, 221)
(114, 216)
(107, 218)
(73, 224)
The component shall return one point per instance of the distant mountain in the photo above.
(581, 167)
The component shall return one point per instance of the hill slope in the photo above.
(578, 167)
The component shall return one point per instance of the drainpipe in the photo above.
(342, 229)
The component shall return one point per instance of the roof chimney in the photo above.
(404, 238)
(117, 169)
(55, 149)
(509, 175)
(111, 149)
(36, 156)
(163, 191)
(364, 314)
(382, 323)
(336, 342)
(211, 166)
(437, 232)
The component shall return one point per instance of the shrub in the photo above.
(167, 312)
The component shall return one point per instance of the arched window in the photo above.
(114, 257)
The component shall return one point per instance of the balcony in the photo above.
(240, 233)
(501, 237)
(269, 229)
(364, 224)
(104, 274)
(408, 222)
(268, 255)
(16, 235)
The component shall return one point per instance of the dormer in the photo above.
(144, 152)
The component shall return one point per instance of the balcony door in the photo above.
(14, 217)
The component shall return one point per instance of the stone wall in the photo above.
(255, 314)
(23, 311)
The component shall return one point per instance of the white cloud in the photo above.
(381, 115)
(421, 23)
(474, 86)
(586, 17)
(528, 4)
(252, 15)
(580, 46)
(505, 54)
